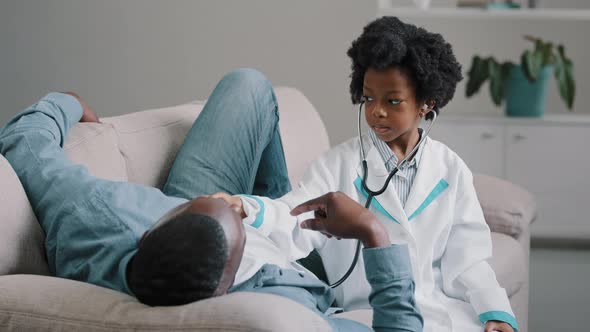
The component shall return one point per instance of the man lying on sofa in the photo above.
(178, 245)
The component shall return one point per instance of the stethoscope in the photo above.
(372, 194)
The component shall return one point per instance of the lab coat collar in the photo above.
(387, 203)
(428, 184)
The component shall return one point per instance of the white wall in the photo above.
(123, 56)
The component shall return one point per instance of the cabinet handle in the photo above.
(519, 137)
(487, 136)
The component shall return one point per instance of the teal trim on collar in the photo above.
(260, 217)
(500, 316)
(437, 190)
(375, 204)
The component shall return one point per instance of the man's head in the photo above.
(191, 253)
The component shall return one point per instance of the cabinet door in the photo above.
(479, 145)
(553, 163)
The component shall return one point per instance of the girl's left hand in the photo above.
(494, 325)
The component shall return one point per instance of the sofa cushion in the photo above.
(21, 237)
(36, 303)
(508, 262)
(149, 140)
(508, 208)
(96, 146)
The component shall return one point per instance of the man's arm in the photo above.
(33, 144)
(387, 266)
(389, 272)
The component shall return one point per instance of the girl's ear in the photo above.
(427, 107)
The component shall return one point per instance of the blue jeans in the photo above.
(234, 145)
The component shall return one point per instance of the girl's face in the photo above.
(391, 108)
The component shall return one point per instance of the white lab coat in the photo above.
(442, 223)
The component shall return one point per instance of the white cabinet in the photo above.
(480, 145)
(550, 157)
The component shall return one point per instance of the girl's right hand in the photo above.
(336, 214)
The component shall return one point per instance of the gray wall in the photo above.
(129, 55)
(124, 56)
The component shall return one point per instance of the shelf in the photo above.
(572, 119)
(492, 14)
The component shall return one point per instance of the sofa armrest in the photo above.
(21, 237)
(303, 132)
(507, 207)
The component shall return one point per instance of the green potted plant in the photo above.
(524, 86)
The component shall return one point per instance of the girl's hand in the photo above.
(494, 325)
(336, 214)
(235, 202)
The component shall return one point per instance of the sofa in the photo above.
(140, 147)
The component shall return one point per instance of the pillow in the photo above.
(507, 208)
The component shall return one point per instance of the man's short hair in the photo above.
(180, 262)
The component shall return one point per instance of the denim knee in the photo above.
(246, 79)
(251, 83)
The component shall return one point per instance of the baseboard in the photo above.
(560, 243)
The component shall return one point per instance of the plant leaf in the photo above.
(546, 52)
(505, 70)
(531, 64)
(496, 82)
(478, 74)
(565, 77)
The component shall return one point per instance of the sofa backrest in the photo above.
(149, 140)
(139, 147)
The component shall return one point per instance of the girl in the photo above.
(402, 74)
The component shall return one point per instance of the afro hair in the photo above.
(425, 56)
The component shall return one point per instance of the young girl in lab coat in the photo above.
(402, 74)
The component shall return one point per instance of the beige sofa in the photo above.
(140, 147)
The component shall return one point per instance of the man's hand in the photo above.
(336, 214)
(88, 114)
(495, 325)
(235, 202)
